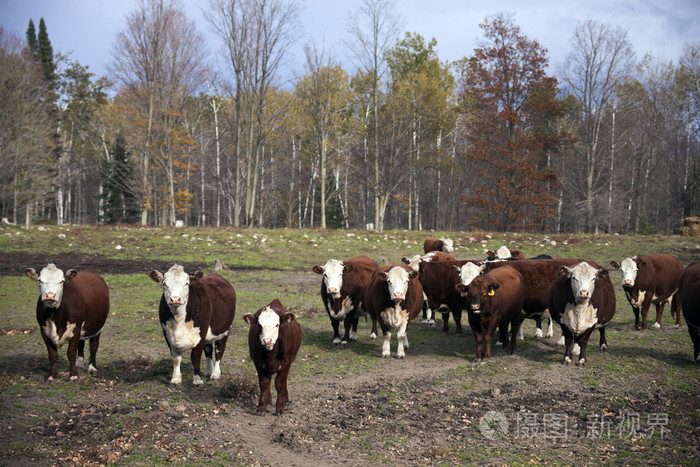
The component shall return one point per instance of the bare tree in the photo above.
(158, 59)
(601, 59)
(373, 30)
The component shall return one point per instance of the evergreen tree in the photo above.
(31, 37)
(119, 201)
(45, 54)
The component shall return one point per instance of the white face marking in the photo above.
(503, 253)
(583, 277)
(176, 288)
(447, 245)
(270, 323)
(628, 268)
(468, 272)
(333, 277)
(51, 281)
(414, 262)
(397, 282)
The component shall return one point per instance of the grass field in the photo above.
(636, 403)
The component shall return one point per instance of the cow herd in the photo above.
(196, 312)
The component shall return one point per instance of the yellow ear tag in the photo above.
(492, 293)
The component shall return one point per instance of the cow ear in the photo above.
(565, 271)
(250, 318)
(287, 318)
(413, 274)
(70, 274)
(405, 260)
(31, 273)
(156, 276)
(490, 254)
(493, 287)
(381, 275)
(195, 276)
(457, 269)
(601, 273)
(348, 268)
(615, 264)
(318, 269)
(642, 264)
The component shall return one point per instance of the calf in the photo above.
(394, 297)
(71, 307)
(689, 293)
(495, 299)
(196, 314)
(274, 339)
(439, 281)
(343, 292)
(582, 299)
(414, 262)
(443, 244)
(651, 279)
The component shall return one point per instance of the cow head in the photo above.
(51, 280)
(629, 268)
(269, 322)
(480, 292)
(397, 279)
(583, 277)
(467, 273)
(503, 253)
(176, 285)
(447, 245)
(333, 272)
(413, 262)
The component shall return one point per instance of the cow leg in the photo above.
(446, 322)
(426, 312)
(514, 329)
(402, 337)
(208, 352)
(353, 332)
(386, 345)
(457, 315)
(503, 334)
(603, 346)
(53, 357)
(347, 325)
(538, 330)
(479, 339)
(177, 376)
(550, 329)
(637, 322)
(646, 304)
(196, 357)
(219, 348)
(676, 309)
(281, 388)
(336, 332)
(265, 392)
(73, 353)
(373, 334)
(568, 344)
(694, 332)
(94, 345)
(81, 354)
(583, 343)
(659, 313)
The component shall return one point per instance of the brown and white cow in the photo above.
(196, 313)
(394, 297)
(343, 293)
(414, 262)
(494, 299)
(71, 307)
(651, 279)
(434, 244)
(581, 300)
(504, 253)
(689, 294)
(439, 281)
(274, 339)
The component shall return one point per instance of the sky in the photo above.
(86, 29)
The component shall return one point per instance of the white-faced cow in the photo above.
(504, 253)
(71, 307)
(494, 299)
(274, 339)
(439, 281)
(689, 293)
(414, 262)
(394, 297)
(582, 299)
(343, 293)
(651, 279)
(196, 313)
(434, 244)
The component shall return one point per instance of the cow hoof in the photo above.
(92, 371)
(80, 363)
(386, 355)
(561, 341)
(431, 322)
(424, 321)
(581, 362)
(538, 334)
(604, 347)
(401, 356)
(656, 326)
(677, 326)
(49, 379)
(215, 375)
(74, 378)
(343, 343)
(197, 380)
(176, 381)
(373, 336)
(336, 341)
(567, 361)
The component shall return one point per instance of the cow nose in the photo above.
(332, 290)
(267, 342)
(50, 296)
(475, 308)
(583, 293)
(175, 300)
(627, 282)
(398, 296)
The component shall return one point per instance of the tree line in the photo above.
(403, 141)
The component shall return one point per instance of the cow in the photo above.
(343, 292)
(689, 294)
(72, 308)
(439, 281)
(504, 253)
(414, 262)
(443, 244)
(494, 299)
(196, 313)
(394, 297)
(582, 299)
(651, 279)
(274, 339)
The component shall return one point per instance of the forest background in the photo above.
(403, 140)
